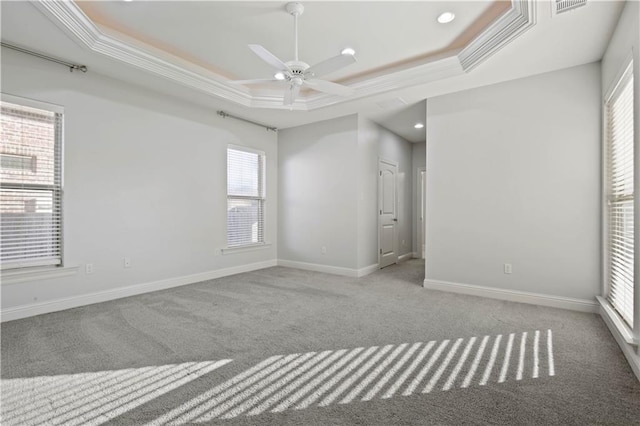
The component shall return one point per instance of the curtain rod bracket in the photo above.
(82, 68)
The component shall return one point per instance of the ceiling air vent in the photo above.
(561, 6)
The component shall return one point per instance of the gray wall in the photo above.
(318, 204)
(367, 193)
(145, 177)
(513, 176)
(328, 192)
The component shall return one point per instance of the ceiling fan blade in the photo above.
(258, 81)
(269, 57)
(330, 65)
(329, 87)
(291, 94)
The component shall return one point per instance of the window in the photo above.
(30, 184)
(245, 197)
(620, 196)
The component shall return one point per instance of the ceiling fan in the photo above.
(296, 73)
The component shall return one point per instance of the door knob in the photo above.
(395, 220)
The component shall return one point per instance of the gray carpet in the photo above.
(284, 346)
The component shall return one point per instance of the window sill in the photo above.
(36, 274)
(242, 249)
(625, 332)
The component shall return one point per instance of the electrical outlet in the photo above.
(404, 243)
(507, 268)
(88, 268)
(324, 250)
(127, 262)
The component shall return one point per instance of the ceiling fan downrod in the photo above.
(295, 9)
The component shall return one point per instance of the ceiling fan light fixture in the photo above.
(297, 74)
(418, 126)
(446, 17)
(348, 51)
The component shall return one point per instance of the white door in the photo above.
(388, 222)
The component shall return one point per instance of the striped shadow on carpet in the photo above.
(92, 398)
(299, 381)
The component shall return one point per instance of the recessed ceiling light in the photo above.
(348, 51)
(127, 0)
(419, 125)
(279, 76)
(446, 17)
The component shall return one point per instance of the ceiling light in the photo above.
(348, 51)
(419, 125)
(446, 17)
(279, 76)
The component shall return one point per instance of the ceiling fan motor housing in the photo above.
(298, 69)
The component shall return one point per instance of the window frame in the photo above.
(261, 198)
(631, 335)
(31, 268)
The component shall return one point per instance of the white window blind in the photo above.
(245, 197)
(30, 187)
(619, 113)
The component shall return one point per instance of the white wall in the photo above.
(399, 150)
(419, 161)
(318, 204)
(145, 177)
(513, 176)
(624, 42)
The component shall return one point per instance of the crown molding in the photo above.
(70, 18)
(505, 29)
(436, 70)
(426, 73)
(74, 22)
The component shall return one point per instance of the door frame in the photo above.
(421, 180)
(379, 207)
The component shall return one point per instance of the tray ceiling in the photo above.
(216, 34)
(203, 45)
(536, 41)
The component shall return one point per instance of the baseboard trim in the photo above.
(627, 348)
(406, 256)
(368, 270)
(328, 269)
(30, 310)
(581, 305)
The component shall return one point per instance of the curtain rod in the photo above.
(71, 66)
(225, 115)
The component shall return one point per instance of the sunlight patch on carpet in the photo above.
(282, 382)
(319, 379)
(92, 398)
